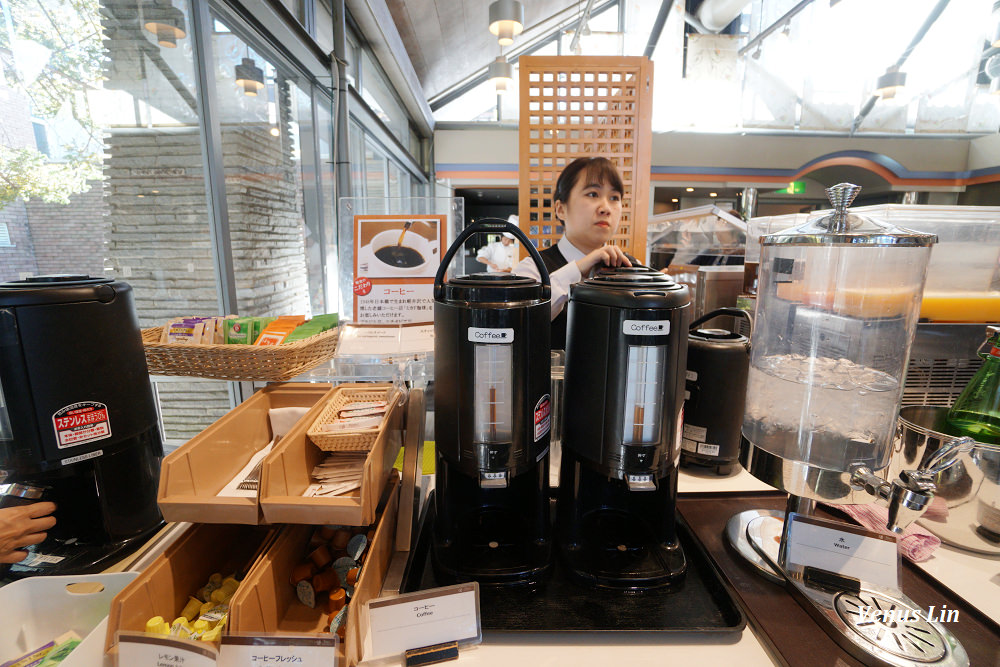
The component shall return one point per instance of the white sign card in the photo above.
(369, 340)
(848, 550)
(139, 649)
(272, 650)
(425, 618)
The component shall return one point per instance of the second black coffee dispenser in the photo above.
(78, 418)
(492, 411)
(623, 396)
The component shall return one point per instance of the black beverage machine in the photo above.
(492, 411)
(718, 363)
(77, 418)
(622, 404)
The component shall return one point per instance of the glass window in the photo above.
(375, 171)
(327, 188)
(478, 104)
(357, 147)
(102, 132)
(378, 94)
(106, 134)
(259, 118)
(353, 59)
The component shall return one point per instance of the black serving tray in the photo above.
(700, 602)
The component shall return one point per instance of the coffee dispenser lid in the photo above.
(718, 336)
(631, 287)
(493, 288)
(62, 288)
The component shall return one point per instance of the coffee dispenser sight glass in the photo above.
(837, 304)
(623, 396)
(492, 415)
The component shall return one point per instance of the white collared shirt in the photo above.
(561, 279)
(498, 253)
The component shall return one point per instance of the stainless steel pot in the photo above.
(970, 489)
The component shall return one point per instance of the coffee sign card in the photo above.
(395, 260)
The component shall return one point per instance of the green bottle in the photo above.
(976, 413)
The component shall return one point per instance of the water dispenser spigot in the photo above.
(909, 496)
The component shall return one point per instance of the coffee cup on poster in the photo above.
(411, 255)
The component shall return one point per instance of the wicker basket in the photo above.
(350, 441)
(239, 363)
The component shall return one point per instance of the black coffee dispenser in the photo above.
(718, 363)
(492, 412)
(77, 418)
(622, 404)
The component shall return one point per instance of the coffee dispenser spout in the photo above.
(909, 496)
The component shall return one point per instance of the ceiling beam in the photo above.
(379, 30)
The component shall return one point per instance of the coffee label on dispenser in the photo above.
(481, 335)
(81, 423)
(646, 327)
(543, 416)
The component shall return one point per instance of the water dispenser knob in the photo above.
(842, 194)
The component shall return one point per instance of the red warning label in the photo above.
(543, 416)
(82, 422)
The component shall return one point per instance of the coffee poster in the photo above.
(395, 260)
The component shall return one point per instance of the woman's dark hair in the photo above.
(598, 170)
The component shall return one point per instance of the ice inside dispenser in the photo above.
(838, 302)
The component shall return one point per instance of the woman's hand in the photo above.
(23, 526)
(609, 255)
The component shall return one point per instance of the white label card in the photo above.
(845, 549)
(481, 335)
(262, 651)
(646, 327)
(138, 649)
(424, 618)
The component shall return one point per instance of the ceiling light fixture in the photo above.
(674, 200)
(501, 73)
(165, 22)
(250, 77)
(713, 194)
(506, 20)
(689, 189)
(889, 84)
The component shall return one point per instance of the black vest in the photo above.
(554, 260)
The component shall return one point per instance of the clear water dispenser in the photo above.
(838, 301)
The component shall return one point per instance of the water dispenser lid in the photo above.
(61, 288)
(843, 227)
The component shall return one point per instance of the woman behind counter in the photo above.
(588, 202)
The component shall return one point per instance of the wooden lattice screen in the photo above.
(581, 106)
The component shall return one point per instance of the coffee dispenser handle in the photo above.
(498, 226)
(726, 310)
(735, 312)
